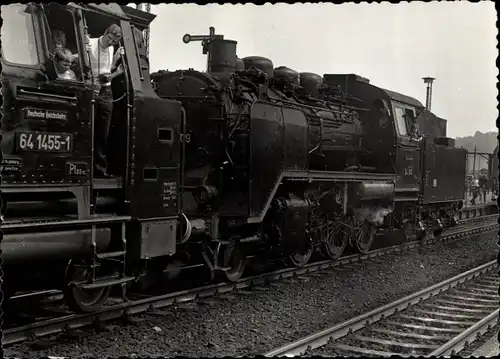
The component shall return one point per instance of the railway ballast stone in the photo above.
(263, 320)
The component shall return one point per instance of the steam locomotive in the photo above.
(243, 159)
(308, 162)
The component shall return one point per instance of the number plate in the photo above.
(44, 141)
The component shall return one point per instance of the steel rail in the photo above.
(338, 331)
(124, 310)
(460, 342)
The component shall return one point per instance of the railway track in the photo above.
(38, 329)
(58, 293)
(441, 320)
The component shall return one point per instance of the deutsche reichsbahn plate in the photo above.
(32, 141)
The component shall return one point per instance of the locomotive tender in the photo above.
(212, 166)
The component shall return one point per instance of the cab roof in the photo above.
(123, 12)
(403, 98)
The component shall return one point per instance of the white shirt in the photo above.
(66, 75)
(102, 58)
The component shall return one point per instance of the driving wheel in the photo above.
(364, 237)
(300, 257)
(335, 242)
(235, 259)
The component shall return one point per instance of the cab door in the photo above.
(408, 154)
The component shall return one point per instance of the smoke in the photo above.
(372, 215)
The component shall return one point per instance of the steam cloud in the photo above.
(372, 215)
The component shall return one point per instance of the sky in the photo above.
(394, 45)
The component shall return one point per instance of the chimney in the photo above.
(428, 81)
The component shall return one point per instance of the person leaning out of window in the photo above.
(63, 59)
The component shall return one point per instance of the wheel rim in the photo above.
(89, 297)
(301, 257)
(234, 259)
(84, 300)
(365, 237)
(335, 242)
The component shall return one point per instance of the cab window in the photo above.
(406, 123)
(97, 24)
(19, 45)
(411, 121)
(400, 115)
(62, 42)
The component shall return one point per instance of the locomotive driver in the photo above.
(103, 64)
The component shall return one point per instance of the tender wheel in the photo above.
(335, 242)
(82, 300)
(364, 238)
(234, 258)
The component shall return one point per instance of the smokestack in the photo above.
(222, 56)
(428, 81)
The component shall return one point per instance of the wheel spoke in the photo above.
(335, 242)
(364, 238)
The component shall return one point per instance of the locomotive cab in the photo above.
(55, 211)
(49, 126)
(429, 169)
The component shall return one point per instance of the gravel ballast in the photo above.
(257, 321)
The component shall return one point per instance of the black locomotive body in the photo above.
(269, 160)
(410, 141)
(351, 156)
(212, 166)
